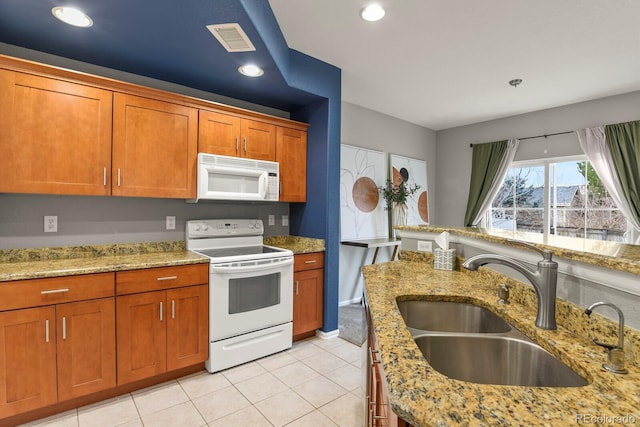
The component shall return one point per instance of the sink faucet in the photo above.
(616, 352)
(544, 280)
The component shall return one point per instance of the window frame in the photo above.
(486, 222)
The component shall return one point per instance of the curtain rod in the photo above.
(540, 136)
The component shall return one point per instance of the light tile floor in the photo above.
(315, 383)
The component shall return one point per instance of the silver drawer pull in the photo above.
(311, 261)
(46, 330)
(54, 291)
(64, 328)
(161, 311)
(167, 278)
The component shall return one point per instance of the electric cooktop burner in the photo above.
(239, 251)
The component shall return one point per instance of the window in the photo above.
(560, 197)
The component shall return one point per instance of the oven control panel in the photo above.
(224, 227)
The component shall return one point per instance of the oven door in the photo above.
(247, 296)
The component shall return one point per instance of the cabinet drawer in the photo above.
(55, 290)
(308, 261)
(152, 279)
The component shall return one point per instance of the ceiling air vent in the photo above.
(232, 37)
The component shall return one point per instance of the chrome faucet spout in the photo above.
(616, 353)
(544, 281)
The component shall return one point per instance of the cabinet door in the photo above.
(142, 339)
(219, 134)
(56, 136)
(307, 300)
(154, 148)
(291, 153)
(86, 347)
(27, 360)
(258, 140)
(187, 326)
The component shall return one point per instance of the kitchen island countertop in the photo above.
(424, 397)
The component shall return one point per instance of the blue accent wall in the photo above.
(319, 217)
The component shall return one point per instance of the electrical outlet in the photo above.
(285, 220)
(50, 224)
(171, 222)
(272, 220)
(424, 246)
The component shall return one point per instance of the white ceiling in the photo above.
(447, 63)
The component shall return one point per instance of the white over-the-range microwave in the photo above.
(235, 178)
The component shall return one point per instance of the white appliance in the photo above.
(235, 178)
(250, 291)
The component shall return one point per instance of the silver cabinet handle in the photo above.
(311, 261)
(54, 291)
(46, 330)
(297, 282)
(161, 311)
(166, 278)
(245, 144)
(237, 143)
(118, 177)
(64, 328)
(173, 309)
(104, 176)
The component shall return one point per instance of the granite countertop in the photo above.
(424, 397)
(612, 255)
(20, 264)
(296, 244)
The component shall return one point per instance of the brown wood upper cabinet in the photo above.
(230, 135)
(154, 148)
(56, 136)
(291, 153)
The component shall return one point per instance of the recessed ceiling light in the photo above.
(373, 12)
(251, 70)
(72, 16)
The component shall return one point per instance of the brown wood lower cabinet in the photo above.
(308, 286)
(27, 360)
(86, 347)
(164, 329)
(161, 331)
(55, 353)
(378, 411)
(58, 336)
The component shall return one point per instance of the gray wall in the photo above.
(454, 154)
(369, 129)
(84, 220)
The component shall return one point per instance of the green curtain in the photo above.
(623, 140)
(485, 164)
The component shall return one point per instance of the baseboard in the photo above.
(349, 302)
(327, 335)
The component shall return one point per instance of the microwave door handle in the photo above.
(263, 184)
(251, 268)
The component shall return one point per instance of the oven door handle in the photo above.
(250, 268)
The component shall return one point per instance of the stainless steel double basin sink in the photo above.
(471, 343)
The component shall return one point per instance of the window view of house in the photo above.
(561, 198)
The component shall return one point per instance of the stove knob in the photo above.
(205, 227)
(196, 227)
(257, 226)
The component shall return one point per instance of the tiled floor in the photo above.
(316, 383)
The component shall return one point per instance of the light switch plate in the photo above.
(171, 222)
(285, 220)
(50, 224)
(272, 220)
